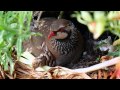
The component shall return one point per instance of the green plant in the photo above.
(99, 21)
(14, 28)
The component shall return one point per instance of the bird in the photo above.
(61, 42)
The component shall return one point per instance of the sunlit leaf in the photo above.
(99, 16)
(86, 16)
(92, 27)
(19, 46)
(116, 42)
(12, 26)
(100, 28)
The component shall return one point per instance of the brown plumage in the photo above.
(61, 40)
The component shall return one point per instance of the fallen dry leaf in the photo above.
(116, 73)
(105, 58)
(2, 74)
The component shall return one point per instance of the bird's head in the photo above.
(60, 29)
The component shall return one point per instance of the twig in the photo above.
(39, 15)
(98, 66)
(35, 13)
(61, 14)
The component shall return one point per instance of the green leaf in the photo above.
(14, 28)
(79, 18)
(1, 36)
(97, 59)
(11, 66)
(100, 28)
(19, 46)
(86, 16)
(5, 62)
(13, 25)
(99, 16)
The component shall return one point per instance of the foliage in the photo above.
(99, 21)
(14, 28)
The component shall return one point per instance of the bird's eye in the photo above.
(61, 30)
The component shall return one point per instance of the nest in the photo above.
(108, 68)
(26, 72)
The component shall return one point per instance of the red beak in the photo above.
(51, 34)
